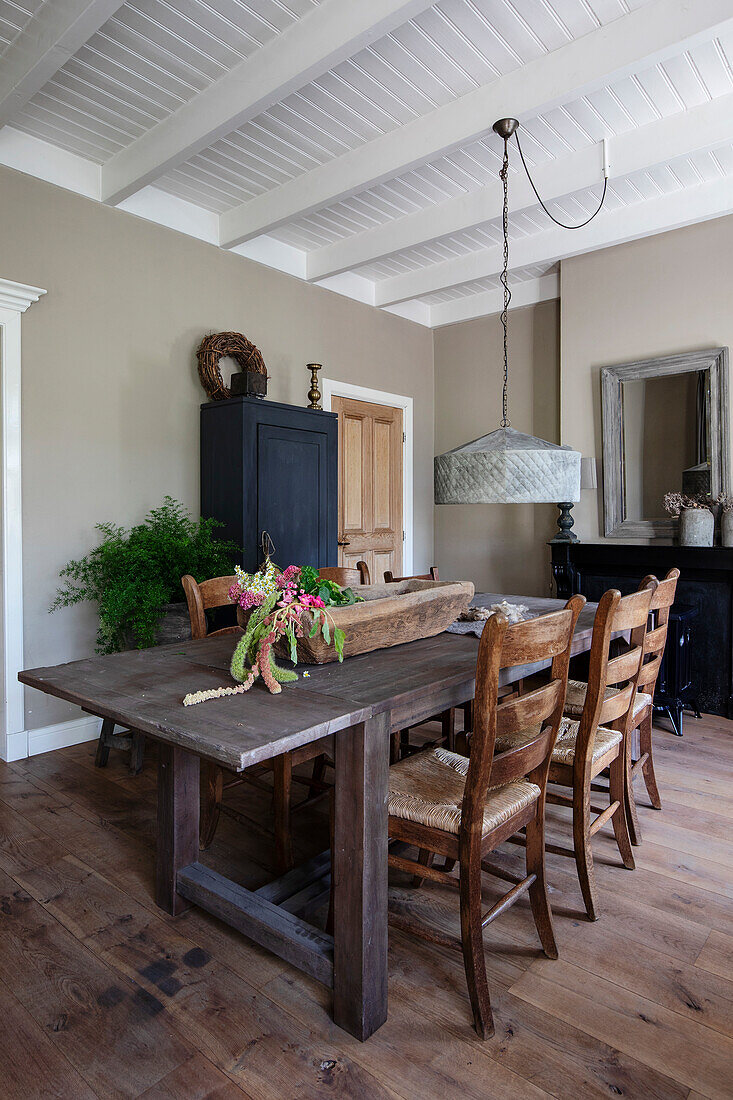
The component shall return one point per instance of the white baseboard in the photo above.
(18, 746)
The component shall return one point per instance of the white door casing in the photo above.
(15, 298)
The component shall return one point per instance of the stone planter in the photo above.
(726, 528)
(697, 527)
(174, 626)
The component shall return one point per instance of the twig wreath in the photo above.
(213, 348)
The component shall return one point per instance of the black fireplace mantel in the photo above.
(706, 582)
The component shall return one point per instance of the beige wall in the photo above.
(658, 296)
(501, 547)
(110, 391)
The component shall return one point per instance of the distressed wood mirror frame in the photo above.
(714, 360)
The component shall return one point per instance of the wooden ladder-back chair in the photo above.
(587, 745)
(663, 596)
(401, 740)
(346, 576)
(464, 808)
(202, 597)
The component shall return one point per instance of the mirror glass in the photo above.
(666, 444)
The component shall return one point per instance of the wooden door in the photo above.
(370, 486)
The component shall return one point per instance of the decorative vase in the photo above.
(726, 528)
(697, 526)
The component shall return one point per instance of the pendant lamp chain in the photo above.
(504, 278)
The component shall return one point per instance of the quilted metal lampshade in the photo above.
(507, 467)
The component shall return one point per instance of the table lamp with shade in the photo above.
(588, 480)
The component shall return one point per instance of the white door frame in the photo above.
(15, 298)
(331, 389)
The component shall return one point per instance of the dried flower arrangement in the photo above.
(675, 503)
(276, 602)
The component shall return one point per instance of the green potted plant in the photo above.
(134, 576)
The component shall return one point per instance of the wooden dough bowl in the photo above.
(391, 614)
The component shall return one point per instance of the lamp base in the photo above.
(565, 522)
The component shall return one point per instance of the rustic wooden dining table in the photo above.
(360, 702)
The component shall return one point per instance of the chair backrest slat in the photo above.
(533, 640)
(539, 711)
(655, 640)
(632, 610)
(616, 706)
(527, 710)
(389, 576)
(624, 667)
(648, 675)
(346, 576)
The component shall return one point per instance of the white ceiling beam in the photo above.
(657, 143)
(652, 33)
(328, 35)
(488, 302)
(44, 45)
(628, 223)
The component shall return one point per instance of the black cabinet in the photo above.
(271, 467)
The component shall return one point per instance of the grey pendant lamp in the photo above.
(506, 466)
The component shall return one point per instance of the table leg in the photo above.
(178, 822)
(360, 877)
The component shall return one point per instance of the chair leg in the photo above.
(472, 942)
(137, 752)
(647, 768)
(106, 733)
(583, 848)
(282, 780)
(332, 843)
(632, 817)
(425, 857)
(394, 747)
(212, 788)
(617, 793)
(448, 728)
(319, 770)
(538, 896)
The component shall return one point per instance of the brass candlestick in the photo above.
(314, 393)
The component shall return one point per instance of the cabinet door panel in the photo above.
(291, 493)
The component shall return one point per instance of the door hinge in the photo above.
(403, 536)
(404, 438)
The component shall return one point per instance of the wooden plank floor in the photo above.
(103, 995)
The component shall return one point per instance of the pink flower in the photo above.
(289, 576)
(249, 599)
(310, 601)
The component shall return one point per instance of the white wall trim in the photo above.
(58, 736)
(331, 388)
(15, 298)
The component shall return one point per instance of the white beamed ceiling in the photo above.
(318, 139)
